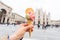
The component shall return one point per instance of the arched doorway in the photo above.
(3, 19)
(2, 15)
(8, 20)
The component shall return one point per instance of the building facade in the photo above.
(48, 19)
(15, 18)
(5, 12)
(41, 17)
(55, 22)
(6, 15)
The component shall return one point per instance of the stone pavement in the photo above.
(44, 34)
(37, 34)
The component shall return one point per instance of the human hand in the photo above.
(21, 31)
(26, 27)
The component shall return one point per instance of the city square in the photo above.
(43, 15)
(38, 34)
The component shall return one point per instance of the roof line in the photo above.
(19, 15)
(5, 5)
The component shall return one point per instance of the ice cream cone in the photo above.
(29, 21)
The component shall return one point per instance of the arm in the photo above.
(21, 31)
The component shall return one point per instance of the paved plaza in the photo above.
(37, 34)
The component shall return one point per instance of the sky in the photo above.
(19, 6)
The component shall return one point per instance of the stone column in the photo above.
(6, 19)
(2, 20)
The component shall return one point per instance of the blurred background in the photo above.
(46, 23)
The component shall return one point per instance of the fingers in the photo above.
(24, 24)
(27, 27)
